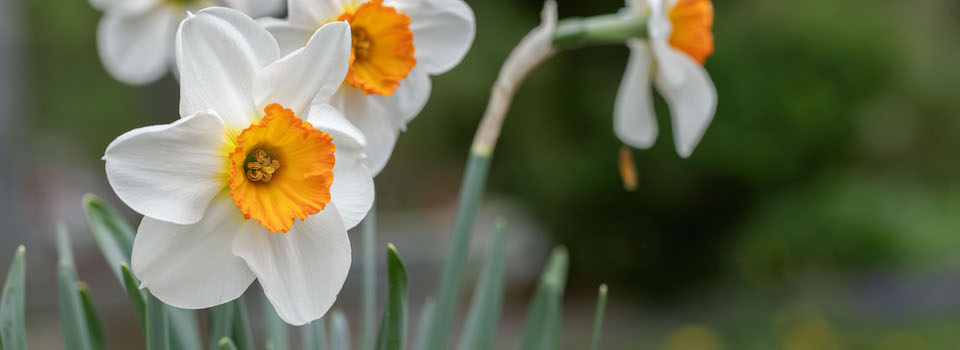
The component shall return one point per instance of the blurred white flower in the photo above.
(199, 181)
(672, 59)
(135, 37)
(397, 45)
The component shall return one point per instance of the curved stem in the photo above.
(604, 29)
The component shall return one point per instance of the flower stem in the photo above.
(369, 227)
(604, 29)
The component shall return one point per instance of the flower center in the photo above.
(382, 53)
(260, 167)
(272, 197)
(692, 22)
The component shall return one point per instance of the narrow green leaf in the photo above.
(598, 318)
(369, 265)
(313, 335)
(276, 330)
(393, 326)
(242, 333)
(183, 329)
(543, 317)
(73, 322)
(13, 331)
(221, 322)
(158, 332)
(226, 344)
(448, 292)
(90, 313)
(423, 324)
(484, 315)
(339, 331)
(130, 284)
(64, 251)
(112, 233)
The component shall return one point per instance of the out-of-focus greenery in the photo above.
(834, 147)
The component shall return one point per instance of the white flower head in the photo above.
(672, 59)
(135, 37)
(397, 45)
(222, 189)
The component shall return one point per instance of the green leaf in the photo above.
(158, 332)
(339, 331)
(484, 314)
(276, 330)
(221, 323)
(130, 284)
(13, 331)
(598, 318)
(73, 321)
(112, 233)
(543, 317)
(423, 324)
(369, 250)
(183, 330)
(393, 326)
(226, 344)
(241, 325)
(90, 313)
(448, 292)
(314, 335)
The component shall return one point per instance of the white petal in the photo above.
(313, 13)
(219, 51)
(303, 270)
(668, 60)
(375, 122)
(634, 120)
(352, 187)
(169, 172)
(289, 37)
(316, 70)
(408, 99)
(692, 104)
(136, 46)
(256, 8)
(443, 31)
(193, 266)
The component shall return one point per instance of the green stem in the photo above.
(603, 29)
(369, 226)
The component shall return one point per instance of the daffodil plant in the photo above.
(283, 125)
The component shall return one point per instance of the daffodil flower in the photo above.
(222, 188)
(397, 45)
(135, 37)
(679, 42)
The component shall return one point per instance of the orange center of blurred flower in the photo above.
(692, 21)
(272, 195)
(382, 52)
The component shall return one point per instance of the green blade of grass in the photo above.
(276, 330)
(451, 280)
(221, 322)
(112, 233)
(314, 335)
(543, 317)
(90, 314)
(393, 326)
(226, 344)
(158, 332)
(598, 318)
(242, 333)
(339, 331)
(484, 314)
(73, 322)
(423, 324)
(136, 296)
(13, 331)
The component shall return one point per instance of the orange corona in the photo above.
(281, 169)
(692, 22)
(382, 53)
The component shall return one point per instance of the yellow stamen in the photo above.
(262, 167)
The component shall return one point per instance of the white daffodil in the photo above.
(672, 58)
(221, 188)
(397, 45)
(135, 37)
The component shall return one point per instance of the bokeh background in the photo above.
(820, 211)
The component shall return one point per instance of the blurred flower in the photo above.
(397, 44)
(135, 37)
(197, 180)
(679, 42)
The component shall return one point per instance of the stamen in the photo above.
(261, 168)
(361, 43)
